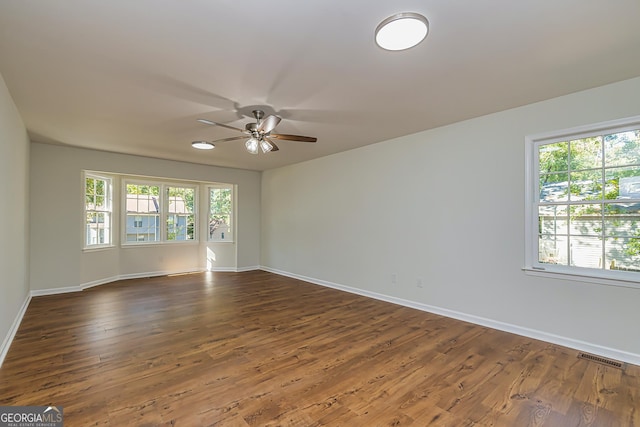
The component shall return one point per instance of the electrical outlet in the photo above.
(394, 278)
(419, 282)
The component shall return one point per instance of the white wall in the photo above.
(57, 258)
(447, 206)
(14, 215)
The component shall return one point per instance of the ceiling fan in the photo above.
(259, 133)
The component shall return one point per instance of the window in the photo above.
(97, 209)
(583, 201)
(149, 205)
(153, 210)
(142, 204)
(220, 213)
(180, 213)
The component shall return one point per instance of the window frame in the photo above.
(532, 195)
(108, 209)
(163, 213)
(221, 186)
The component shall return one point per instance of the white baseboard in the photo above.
(87, 285)
(234, 269)
(587, 347)
(55, 291)
(106, 280)
(224, 269)
(250, 268)
(14, 328)
(152, 274)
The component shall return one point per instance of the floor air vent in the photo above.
(602, 360)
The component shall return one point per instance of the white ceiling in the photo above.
(133, 76)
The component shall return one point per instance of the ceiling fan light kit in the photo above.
(259, 134)
(402, 31)
(265, 146)
(252, 145)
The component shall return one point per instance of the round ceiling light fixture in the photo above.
(402, 31)
(203, 145)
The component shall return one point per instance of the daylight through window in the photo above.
(220, 213)
(154, 211)
(180, 213)
(149, 205)
(143, 213)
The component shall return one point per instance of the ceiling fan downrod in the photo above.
(258, 114)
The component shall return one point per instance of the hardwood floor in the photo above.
(258, 349)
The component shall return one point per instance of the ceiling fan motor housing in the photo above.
(258, 114)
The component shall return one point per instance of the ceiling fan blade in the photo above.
(293, 137)
(270, 141)
(209, 122)
(269, 124)
(233, 138)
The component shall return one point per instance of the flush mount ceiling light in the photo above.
(202, 145)
(402, 31)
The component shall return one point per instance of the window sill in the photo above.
(608, 281)
(98, 248)
(142, 245)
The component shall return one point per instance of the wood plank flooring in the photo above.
(258, 349)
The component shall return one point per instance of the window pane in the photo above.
(91, 229)
(553, 249)
(100, 203)
(622, 148)
(553, 157)
(554, 188)
(622, 183)
(586, 220)
(97, 228)
(143, 228)
(586, 185)
(586, 153)
(89, 187)
(629, 187)
(96, 193)
(586, 230)
(621, 220)
(553, 220)
(586, 251)
(623, 253)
